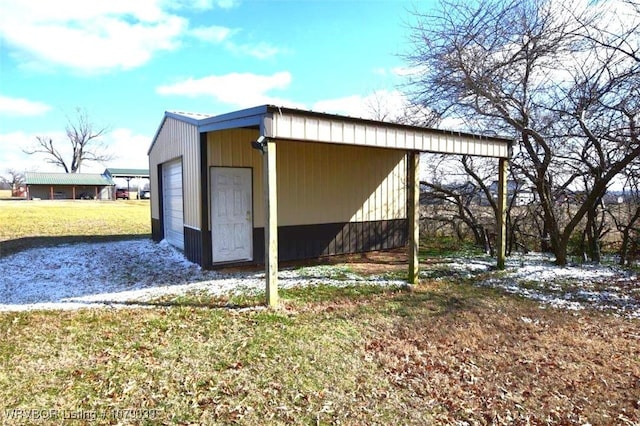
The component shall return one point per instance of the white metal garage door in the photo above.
(172, 203)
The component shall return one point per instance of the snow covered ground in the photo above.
(534, 276)
(129, 272)
(126, 272)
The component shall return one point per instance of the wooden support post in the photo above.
(270, 222)
(73, 191)
(413, 214)
(503, 167)
(51, 192)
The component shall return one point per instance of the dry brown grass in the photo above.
(442, 354)
(500, 361)
(445, 353)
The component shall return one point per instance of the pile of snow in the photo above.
(535, 276)
(139, 271)
(128, 272)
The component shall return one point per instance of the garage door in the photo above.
(172, 203)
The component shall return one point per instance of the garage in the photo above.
(271, 183)
(172, 203)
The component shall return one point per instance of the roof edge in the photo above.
(279, 109)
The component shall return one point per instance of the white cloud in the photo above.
(213, 34)
(380, 71)
(203, 4)
(260, 50)
(237, 89)
(381, 104)
(129, 149)
(21, 107)
(96, 36)
(12, 157)
(88, 36)
(408, 71)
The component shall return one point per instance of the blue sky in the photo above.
(127, 61)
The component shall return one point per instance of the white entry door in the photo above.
(172, 203)
(231, 214)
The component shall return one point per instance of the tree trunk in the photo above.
(624, 247)
(593, 236)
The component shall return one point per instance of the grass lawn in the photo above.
(443, 353)
(25, 224)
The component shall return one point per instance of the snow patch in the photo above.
(127, 273)
(124, 273)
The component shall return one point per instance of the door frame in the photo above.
(210, 218)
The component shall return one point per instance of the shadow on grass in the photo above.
(213, 304)
(446, 299)
(17, 245)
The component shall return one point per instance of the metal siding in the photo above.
(325, 183)
(178, 139)
(232, 148)
(292, 126)
(311, 241)
(317, 182)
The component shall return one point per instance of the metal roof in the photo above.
(116, 172)
(87, 179)
(301, 125)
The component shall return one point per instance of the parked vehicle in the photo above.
(144, 194)
(122, 193)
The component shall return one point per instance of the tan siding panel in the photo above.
(327, 129)
(325, 183)
(178, 139)
(318, 182)
(232, 148)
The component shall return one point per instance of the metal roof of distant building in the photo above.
(118, 172)
(33, 178)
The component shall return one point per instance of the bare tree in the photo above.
(380, 108)
(625, 215)
(84, 142)
(549, 75)
(13, 179)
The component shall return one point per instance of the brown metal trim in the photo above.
(157, 232)
(311, 241)
(193, 245)
(205, 243)
(160, 194)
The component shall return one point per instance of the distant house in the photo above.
(123, 177)
(524, 195)
(69, 186)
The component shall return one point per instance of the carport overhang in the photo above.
(281, 123)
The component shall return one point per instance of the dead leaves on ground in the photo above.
(516, 364)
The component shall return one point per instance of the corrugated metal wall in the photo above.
(178, 139)
(320, 182)
(296, 125)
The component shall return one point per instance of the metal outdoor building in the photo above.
(68, 186)
(269, 183)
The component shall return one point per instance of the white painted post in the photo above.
(413, 214)
(503, 167)
(270, 223)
